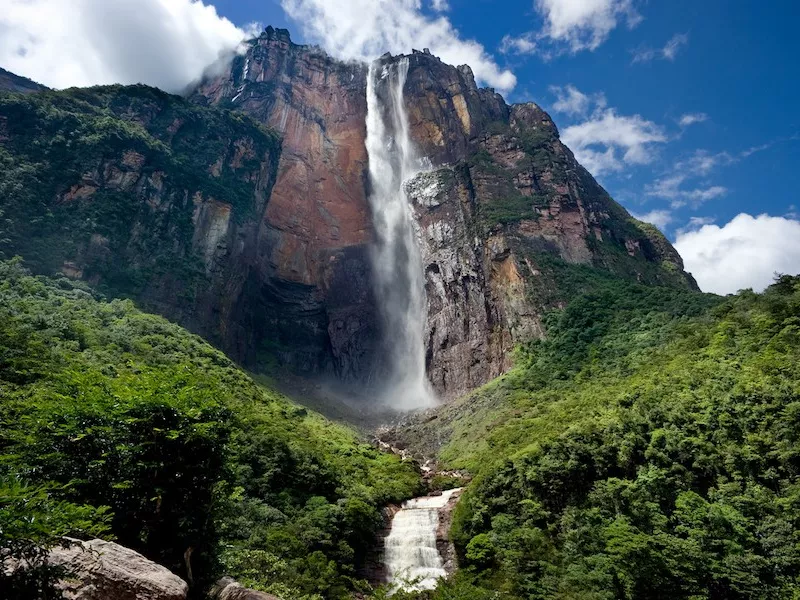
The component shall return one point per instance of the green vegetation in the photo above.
(106, 177)
(117, 423)
(510, 209)
(647, 449)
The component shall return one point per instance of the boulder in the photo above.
(228, 589)
(102, 570)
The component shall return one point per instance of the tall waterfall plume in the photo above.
(399, 277)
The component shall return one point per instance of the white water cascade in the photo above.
(411, 557)
(398, 273)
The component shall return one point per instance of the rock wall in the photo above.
(263, 246)
(317, 227)
(503, 190)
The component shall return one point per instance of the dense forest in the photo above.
(647, 449)
(119, 424)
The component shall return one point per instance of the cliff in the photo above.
(261, 241)
(504, 201)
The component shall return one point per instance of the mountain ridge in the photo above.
(283, 280)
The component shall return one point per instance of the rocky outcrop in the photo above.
(444, 544)
(10, 82)
(101, 570)
(228, 589)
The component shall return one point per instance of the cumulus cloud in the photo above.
(571, 101)
(744, 253)
(608, 141)
(365, 29)
(659, 218)
(440, 5)
(692, 118)
(668, 52)
(63, 43)
(696, 223)
(584, 24)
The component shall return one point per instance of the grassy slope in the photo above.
(105, 406)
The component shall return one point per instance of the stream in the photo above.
(411, 555)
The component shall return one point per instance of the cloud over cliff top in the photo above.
(365, 29)
(63, 43)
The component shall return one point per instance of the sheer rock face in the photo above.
(317, 228)
(509, 194)
(101, 570)
(280, 271)
(484, 283)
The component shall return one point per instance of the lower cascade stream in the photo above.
(411, 555)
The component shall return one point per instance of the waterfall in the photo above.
(398, 273)
(412, 559)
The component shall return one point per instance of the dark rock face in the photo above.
(14, 83)
(509, 196)
(317, 228)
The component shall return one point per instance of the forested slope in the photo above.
(114, 422)
(649, 448)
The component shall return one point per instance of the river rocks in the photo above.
(102, 570)
(228, 589)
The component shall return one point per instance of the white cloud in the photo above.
(365, 29)
(583, 24)
(571, 101)
(659, 218)
(668, 52)
(440, 5)
(608, 141)
(671, 187)
(671, 48)
(63, 43)
(744, 253)
(695, 223)
(523, 44)
(692, 118)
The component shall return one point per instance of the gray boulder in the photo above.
(228, 589)
(107, 571)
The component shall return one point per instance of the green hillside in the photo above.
(647, 449)
(118, 423)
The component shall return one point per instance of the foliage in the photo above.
(647, 449)
(510, 209)
(106, 177)
(110, 407)
(31, 522)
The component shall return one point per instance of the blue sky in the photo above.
(686, 111)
